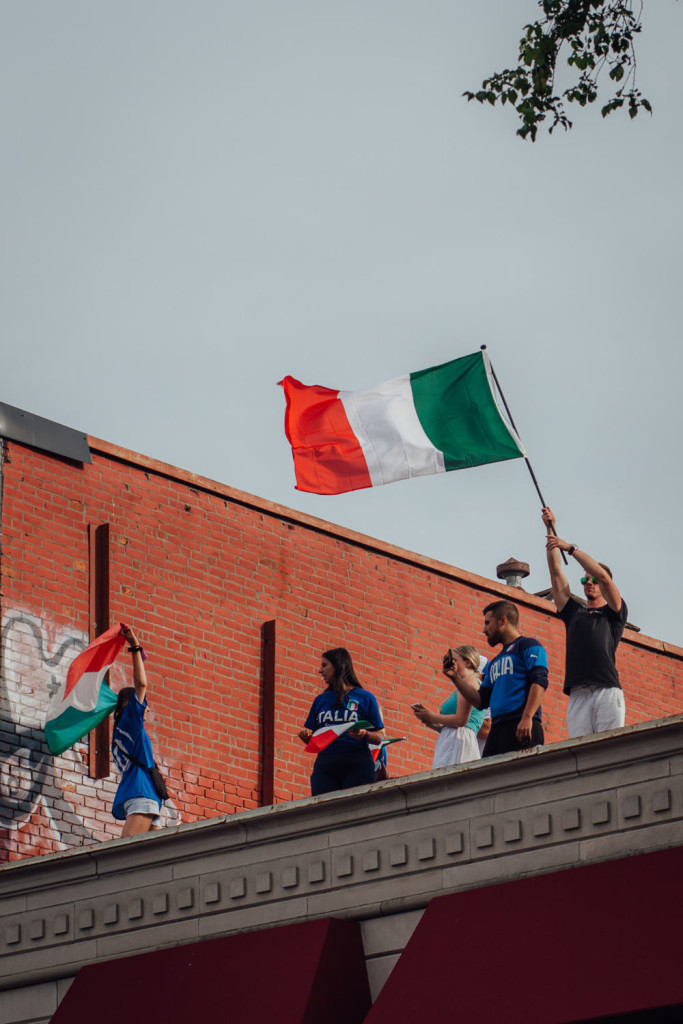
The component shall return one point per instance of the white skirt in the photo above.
(454, 746)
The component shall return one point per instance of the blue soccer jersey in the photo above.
(130, 738)
(510, 675)
(358, 705)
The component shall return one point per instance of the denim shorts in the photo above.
(143, 805)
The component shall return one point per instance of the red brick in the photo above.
(198, 586)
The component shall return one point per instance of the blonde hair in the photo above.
(470, 655)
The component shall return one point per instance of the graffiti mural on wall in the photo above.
(75, 809)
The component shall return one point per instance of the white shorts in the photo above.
(143, 805)
(594, 709)
(454, 746)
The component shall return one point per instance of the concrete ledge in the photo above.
(367, 854)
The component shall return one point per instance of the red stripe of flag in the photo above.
(327, 456)
(327, 734)
(101, 652)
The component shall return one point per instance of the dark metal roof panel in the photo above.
(17, 425)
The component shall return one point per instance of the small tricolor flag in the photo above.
(84, 699)
(376, 747)
(431, 421)
(322, 738)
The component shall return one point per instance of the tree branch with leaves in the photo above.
(597, 36)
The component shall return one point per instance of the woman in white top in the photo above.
(458, 722)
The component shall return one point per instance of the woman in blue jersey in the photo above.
(347, 761)
(136, 801)
(458, 722)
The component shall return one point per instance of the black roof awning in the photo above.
(17, 425)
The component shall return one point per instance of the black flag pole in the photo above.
(526, 457)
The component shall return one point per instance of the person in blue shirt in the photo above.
(458, 723)
(347, 761)
(135, 802)
(513, 683)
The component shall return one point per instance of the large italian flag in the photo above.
(84, 699)
(431, 421)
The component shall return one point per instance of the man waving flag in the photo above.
(432, 421)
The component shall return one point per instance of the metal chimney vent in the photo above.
(512, 572)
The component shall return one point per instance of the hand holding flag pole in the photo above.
(526, 457)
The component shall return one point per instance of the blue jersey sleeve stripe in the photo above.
(534, 655)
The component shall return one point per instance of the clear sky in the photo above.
(199, 198)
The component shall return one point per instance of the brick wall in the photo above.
(198, 568)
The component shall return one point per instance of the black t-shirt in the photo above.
(592, 638)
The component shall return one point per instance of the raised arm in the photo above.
(558, 580)
(470, 691)
(608, 587)
(139, 674)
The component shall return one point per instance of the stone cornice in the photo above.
(364, 853)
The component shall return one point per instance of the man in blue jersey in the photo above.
(512, 685)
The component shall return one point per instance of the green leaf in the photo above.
(597, 34)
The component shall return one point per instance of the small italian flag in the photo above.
(376, 747)
(84, 699)
(431, 421)
(322, 738)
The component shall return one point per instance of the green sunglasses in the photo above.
(588, 579)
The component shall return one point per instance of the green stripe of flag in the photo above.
(459, 414)
(69, 727)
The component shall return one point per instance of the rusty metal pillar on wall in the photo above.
(98, 622)
(267, 713)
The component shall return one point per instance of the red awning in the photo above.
(573, 945)
(301, 974)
